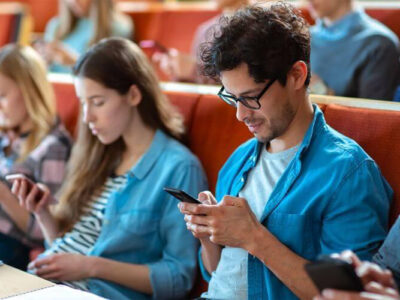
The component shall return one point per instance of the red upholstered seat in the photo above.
(68, 106)
(215, 134)
(186, 104)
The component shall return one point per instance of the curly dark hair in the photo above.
(269, 39)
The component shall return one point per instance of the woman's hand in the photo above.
(33, 197)
(176, 65)
(56, 52)
(62, 267)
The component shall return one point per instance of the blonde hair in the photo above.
(117, 64)
(26, 68)
(101, 12)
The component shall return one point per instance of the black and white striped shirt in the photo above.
(85, 232)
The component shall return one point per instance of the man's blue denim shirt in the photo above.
(143, 225)
(331, 197)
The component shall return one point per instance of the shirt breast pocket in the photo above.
(140, 224)
(298, 232)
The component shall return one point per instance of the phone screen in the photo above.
(181, 195)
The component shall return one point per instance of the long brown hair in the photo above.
(117, 64)
(26, 68)
(101, 12)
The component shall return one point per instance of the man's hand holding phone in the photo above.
(34, 197)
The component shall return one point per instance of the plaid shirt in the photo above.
(45, 164)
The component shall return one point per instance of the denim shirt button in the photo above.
(242, 179)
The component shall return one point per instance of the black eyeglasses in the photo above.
(249, 102)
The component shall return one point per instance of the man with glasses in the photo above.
(299, 188)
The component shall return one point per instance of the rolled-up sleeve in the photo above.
(172, 277)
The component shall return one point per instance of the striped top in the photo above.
(84, 234)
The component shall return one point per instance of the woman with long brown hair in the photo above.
(115, 232)
(32, 142)
(78, 25)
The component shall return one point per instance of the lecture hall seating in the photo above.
(174, 23)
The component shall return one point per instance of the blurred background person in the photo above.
(352, 54)
(32, 142)
(80, 24)
(180, 66)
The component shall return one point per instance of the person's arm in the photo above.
(356, 215)
(388, 256)
(40, 207)
(232, 223)
(379, 77)
(9, 203)
(71, 267)
(210, 254)
(280, 260)
(173, 274)
(135, 277)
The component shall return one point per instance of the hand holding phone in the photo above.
(29, 184)
(332, 273)
(181, 195)
(153, 45)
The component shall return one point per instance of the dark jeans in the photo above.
(13, 252)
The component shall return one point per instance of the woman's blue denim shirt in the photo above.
(331, 197)
(143, 225)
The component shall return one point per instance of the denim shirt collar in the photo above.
(148, 159)
(316, 123)
(293, 170)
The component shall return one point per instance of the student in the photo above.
(299, 188)
(379, 283)
(180, 66)
(32, 141)
(80, 24)
(115, 232)
(352, 54)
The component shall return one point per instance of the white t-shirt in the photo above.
(229, 280)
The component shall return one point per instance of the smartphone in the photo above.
(181, 195)
(6, 182)
(30, 183)
(153, 45)
(332, 273)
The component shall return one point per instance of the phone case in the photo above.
(334, 274)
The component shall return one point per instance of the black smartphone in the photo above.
(30, 183)
(181, 195)
(6, 182)
(332, 273)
